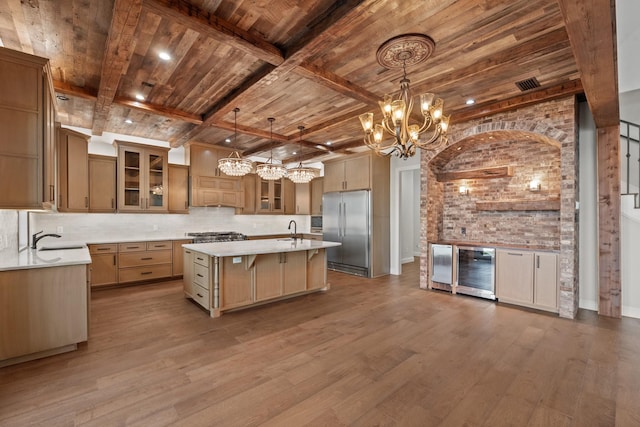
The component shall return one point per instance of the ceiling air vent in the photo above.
(528, 84)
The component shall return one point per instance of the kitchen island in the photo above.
(226, 276)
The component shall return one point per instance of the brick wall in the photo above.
(538, 141)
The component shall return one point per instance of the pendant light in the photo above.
(269, 170)
(235, 165)
(301, 174)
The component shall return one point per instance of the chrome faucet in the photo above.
(295, 229)
(35, 240)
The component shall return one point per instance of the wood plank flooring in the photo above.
(367, 352)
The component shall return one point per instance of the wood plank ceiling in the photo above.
(306, 62)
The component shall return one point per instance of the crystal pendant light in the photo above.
(269, 170)
(235, 165)
(301, 174)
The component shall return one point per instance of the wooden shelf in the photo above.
(519, 205)
(485, 173)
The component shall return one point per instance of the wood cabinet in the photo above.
(187, 273)
(527, 278)
(350, 173)
(269, 196)
(104, 264)
(201, 284)
(102, 183)
(209, 185)
(288, 197)
(178, 189)
(238, 275)
(142, 178)
(73, 171)
(43, 311)
(280, 274)
(317, 188)
(177, 257)
(317, 269)
(143, 261)
(27, 119)
(303, 199)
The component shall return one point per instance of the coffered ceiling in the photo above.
(307, 62)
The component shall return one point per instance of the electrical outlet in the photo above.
(60, 229)
(463, 230)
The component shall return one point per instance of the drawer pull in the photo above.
(514, 254)
(133, 247)
(200, 295)
(146, 259)
(159, 246)
(103, 249)
(199, 275)
(200, 259)
(146, 272)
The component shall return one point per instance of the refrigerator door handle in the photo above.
(339, 219)
(344, 226)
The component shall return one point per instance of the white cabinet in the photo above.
(527, 278)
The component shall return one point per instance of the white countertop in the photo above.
(252, 247)
(37, 258)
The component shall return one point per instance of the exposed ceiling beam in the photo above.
(591, 25)
(77, 91)
(159, 110)
(119, 49)
(573, 87)
(193, 17)
(336, 83)
(341, 16)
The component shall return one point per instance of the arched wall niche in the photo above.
(541, 130)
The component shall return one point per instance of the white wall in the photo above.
(628, 40)
(397, 238)
(588, 218)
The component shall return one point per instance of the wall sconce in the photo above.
(534, 185)
(463, 190)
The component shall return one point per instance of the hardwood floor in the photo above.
(367, 352)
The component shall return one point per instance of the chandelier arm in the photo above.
(428, 121)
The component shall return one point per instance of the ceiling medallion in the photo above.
(430, 131)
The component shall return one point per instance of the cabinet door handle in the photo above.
(537, 261)
(52, 192)
(185, 205)
(114, 260)
(113, 203)
(86, 202)
(147, 199)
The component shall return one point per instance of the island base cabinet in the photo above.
(317, 269)
(43, 311)
(527, 278)
(268, 276)
(294, 272)
(237, 279)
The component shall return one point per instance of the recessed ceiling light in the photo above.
(295, 152)
(228, 140)
(470, 101)
(164, 56)
(140, 97)
(128, 121)
(328, 143)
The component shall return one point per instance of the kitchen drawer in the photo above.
(103, 249)
(158, 246)
(201, 259)
(132, 247)
(150, 272)
(201, 296)
(201, 275)
(135, 259)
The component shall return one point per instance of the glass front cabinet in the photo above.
(270, 196)
(142, 178)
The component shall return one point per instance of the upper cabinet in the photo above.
(269, 196)
(209, 186)
(350, 173)
(303, 198)
(317, 188)
(178, 189)
(27, 117)
(73, 171)
(102, 183)
(142, 178)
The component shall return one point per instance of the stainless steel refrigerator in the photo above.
(346, 218)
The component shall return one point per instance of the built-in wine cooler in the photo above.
(476, 269)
